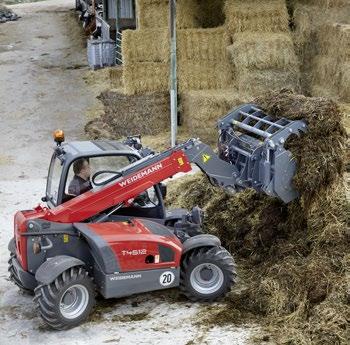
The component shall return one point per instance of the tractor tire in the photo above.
(207, 274)
(68, 300)
(13, 278)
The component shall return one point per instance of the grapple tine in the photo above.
(254, 142)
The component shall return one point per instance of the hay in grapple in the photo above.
(294, 258)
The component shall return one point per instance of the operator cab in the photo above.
(105, 158)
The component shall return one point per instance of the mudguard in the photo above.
(12, 246)
(204, 240)
(53, 267)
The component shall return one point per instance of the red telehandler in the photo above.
(117, 239)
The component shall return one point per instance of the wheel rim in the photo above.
(74, 301)
(206, 278)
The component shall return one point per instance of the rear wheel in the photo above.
(207, 274)
(67, 301)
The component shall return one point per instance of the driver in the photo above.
(81, 180)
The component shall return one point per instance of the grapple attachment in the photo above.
(253, 142)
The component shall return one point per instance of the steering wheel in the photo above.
(116, 174)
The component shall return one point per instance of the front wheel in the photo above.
(207, 274)
(68, 301)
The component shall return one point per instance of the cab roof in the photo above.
(95, 148)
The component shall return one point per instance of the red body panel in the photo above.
(20, 226)
(133, 242)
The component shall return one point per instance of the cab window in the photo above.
(79, 172)
(53, 180)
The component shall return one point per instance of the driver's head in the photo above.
(81, 167)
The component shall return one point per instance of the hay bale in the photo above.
(263, 51)
(200, 111)
(254, 82)
(155, 14)
(130, 115)
(202, 45)
(149, 45)
(145, 77)
(268, 16)
(294, 258)
(330, 71)
(201, 75)
(332, 37)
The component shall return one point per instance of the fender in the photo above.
(12, 246)
(204, 240)
(53, 267)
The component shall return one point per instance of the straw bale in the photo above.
(326, 74)
(124, 115)
(145, 77)
(155, 14)
(200, 75)
(269, 16)
(149, 45)
(253, 82)
(335, 38)
(202, 44)
(263, 51)
(200, 111)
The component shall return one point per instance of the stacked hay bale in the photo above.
(294, 258)
(202, 59)
(331, 67)
(262, 51)
(146, 60)
(321, 53)
(155, 14)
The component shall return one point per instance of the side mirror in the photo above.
(163, 190)
(44, 199)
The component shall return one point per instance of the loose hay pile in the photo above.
(294, 259)
(124, 115)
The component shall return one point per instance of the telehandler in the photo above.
(117, 239)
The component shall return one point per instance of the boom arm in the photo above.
(143, 174)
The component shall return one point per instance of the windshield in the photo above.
(53, 180)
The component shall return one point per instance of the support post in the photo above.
(173, 72)
(116, 18)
